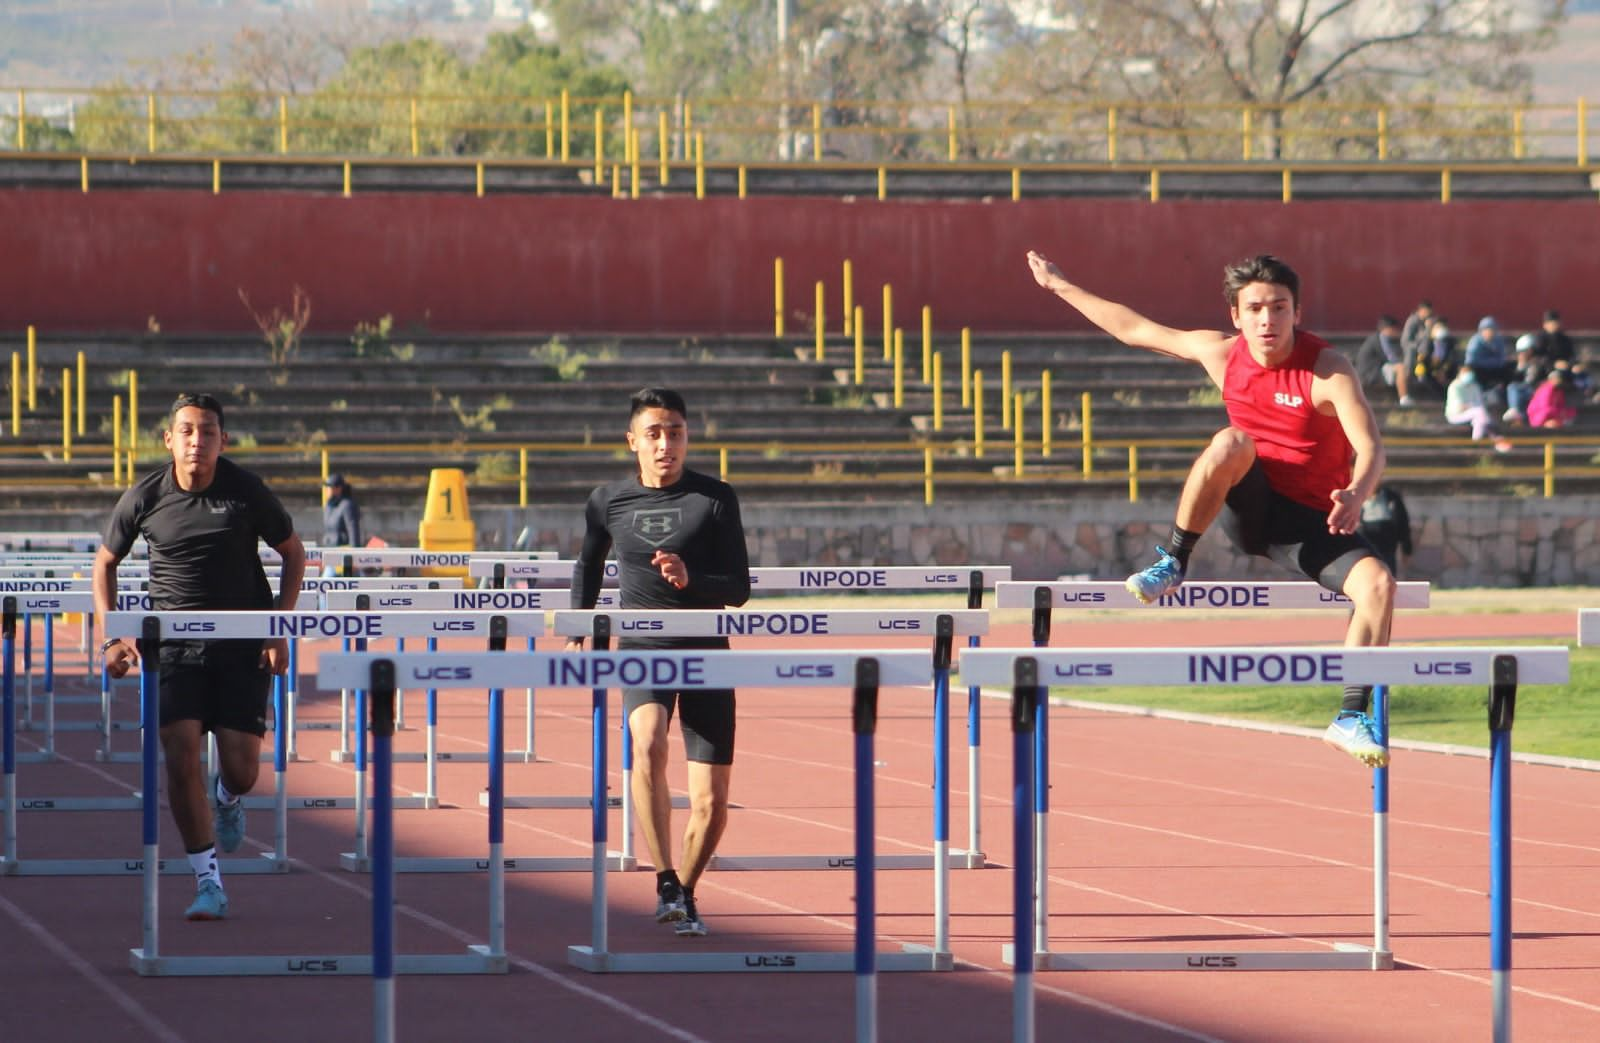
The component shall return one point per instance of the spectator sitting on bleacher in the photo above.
(1552, 405)
(1528, 374)
(1416, 336)
(1551, 343)
(1488, 356)
(1383, 358)
(1464, 404)
(1436, 366)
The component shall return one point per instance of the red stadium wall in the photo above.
(111, 260)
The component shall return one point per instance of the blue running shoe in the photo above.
(228, 821)
(209, 903)
(1161, 578)
(1351, 732)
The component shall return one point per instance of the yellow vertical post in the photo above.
(849, 305)
(899, 367)
(633, 166)
(566, 125)
(480, 178)
(322, 479)
(861, 348)
(116, 440)
(699, 165)
(347, 179)
(1288, 191)
(722, 463)
(950, 119)
(927, 344)
(688, 120)
(1111, 134)
(1519, 148)
(883, 184)
(1016, 183)
(1133, 474)
(663, 144)
(82, 398)
(966, 366)
(522, 477)
(133, 420)
(816, 132)
(1244, 130)
(66, 414)
(16, 394)
(83, 173)
(1005, 390)
(1088, 435)
(977, 413)
(33, 369)
(599, 143)
(888, 321)
(549, 129)
(742, 180)
(216, 177)
(820, 321)
(1383, 134)
(1444, 185)
(938, 391)
(616, 181)
(1018, 441)
(927, 476)
(1583, 131)
(1046, 414)
(22, 121)
(150, 122)
(627, 123)
(416, 131)
(777, 296)
(283, 123)
(1549, 470)
(1155, 185)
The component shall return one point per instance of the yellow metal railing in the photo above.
(1109, 462)
(583, 130)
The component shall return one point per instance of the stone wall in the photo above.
(1460, 542)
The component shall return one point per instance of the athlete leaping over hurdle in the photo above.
(1289, 473)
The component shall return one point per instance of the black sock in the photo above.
(1356, 697)
(1181, 544)
(670, 876)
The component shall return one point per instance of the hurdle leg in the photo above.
(1024, 702)
(383, 1024)
(528, 754)
(1041, 816)
(292, 698)
(150, 806)
(8, 703)
(941, 810)
(593, 957)
(1502, 711)
(106, 710)
(497, 803)
(431, 738)
(361, 853)
(627, 794)
(49, 687)
(399, 693)
(1380, 826)
(975, 859)
(280, 776)
(864, 714)
(344, 718)
(27, 671)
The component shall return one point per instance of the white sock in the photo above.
(204, 864)
(223, 796)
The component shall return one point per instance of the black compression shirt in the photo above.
(697, 518)
(203, 551)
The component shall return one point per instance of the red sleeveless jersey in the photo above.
(1305, 454)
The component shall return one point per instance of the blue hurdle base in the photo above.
(911, 958)
(476, 960)
(1343, 957)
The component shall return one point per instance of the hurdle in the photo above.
(1030, 673)
(942, 626)
(598, 671)
(1588, 627)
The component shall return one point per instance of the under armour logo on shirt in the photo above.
(657, 526)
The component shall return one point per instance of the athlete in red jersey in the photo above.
(1288, 475)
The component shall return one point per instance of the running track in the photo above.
(1163, 834)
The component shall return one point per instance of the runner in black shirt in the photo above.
(201, 516)
(679, 544)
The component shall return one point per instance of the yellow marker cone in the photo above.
(446, 517)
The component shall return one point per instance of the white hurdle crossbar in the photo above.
(1042, 668)
(600, 670)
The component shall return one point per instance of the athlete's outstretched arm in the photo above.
(1122, 322)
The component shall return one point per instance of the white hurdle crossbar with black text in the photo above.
(1030, 673)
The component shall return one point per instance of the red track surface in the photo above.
(1163, 835)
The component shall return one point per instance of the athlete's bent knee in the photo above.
(1372, 588)
(1231, 446)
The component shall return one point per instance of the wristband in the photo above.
(105, 646)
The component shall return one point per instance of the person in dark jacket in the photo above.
(1386, 525)
(341, 515)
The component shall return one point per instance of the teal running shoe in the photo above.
(1351, 732)
(228, 821)
(209, 903)
(1161, 578)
